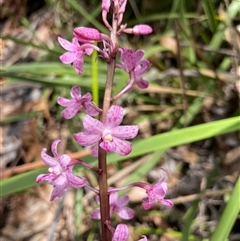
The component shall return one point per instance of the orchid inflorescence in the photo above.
(106, 134)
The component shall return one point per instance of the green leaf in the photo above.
(20, 182)
(182, 136)
(229, 216)
(209, 11)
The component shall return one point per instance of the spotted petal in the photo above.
(86, 139)
(75, 92)
(75, 181)
(92, 125)
(123, 147)
(71, 111)
(68, 57)
(66, 44)
(114, 116)
(125, 132)
(121, 233)
(125, 213)
(48, 159)
(108, 146)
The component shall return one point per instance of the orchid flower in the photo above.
(75, 53)
(74, 105)
(109, 133)
(117, 206)
(59, 173)
(156, 192)
(131, 63)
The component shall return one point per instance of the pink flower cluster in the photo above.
(108, 134)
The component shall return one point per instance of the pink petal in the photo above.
(127, 58)
(60, 187)
(76, 44)
(44, 177)
(78, 62)
(167, 202)
(48, 159)
(58, 192)
(144, 238)
(126, 213)
(54, 148)
(121, 233)
(108, 146)
(113, 198)
(68, 57)
(106, 5)
(63, 101)
(122, 201)
(86, 139)
(125, 132)
(96, 214)
(66, 44)
(94, 151)
(142, 67)
(138, 55)
(71, 111)
(160, 189)
(114, 116)
(75, 181)
(89, 108)
(87, 97)
(123, 6)
(88, 51)
(123, 147)
(147, 204)
(64, 160)
(75, 92)
(141, 83)
(93, 126)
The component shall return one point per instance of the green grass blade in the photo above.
(182, 136)
(209, 11)
(20, 182)
(229, 215)
(188, 220)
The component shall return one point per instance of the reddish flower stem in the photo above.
(102, 159)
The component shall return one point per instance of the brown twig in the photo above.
(34, 165)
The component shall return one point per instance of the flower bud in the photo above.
(87, 34)
(106, 5)
(141, 29)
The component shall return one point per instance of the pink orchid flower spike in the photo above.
(156, 192)
(75, 53)
(78, 102)
(117, 206)
(112, 137)
(131, 63)
(59, 173)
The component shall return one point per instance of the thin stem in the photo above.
(102, 160)
(126, 89)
